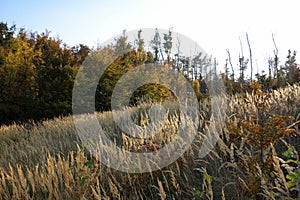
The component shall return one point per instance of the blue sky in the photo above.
(215, 24)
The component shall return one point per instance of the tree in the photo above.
(229, 60)
(156, 46)
(56, 72)
(117, 65)
(242, 66)
(276, 62)
(140, 42)
(140, 53)
(250, 52)
(168, 44)
(121, 45)
(36, 75)
(18, 89)
(291, 67)
(80, 53)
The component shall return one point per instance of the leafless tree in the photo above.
(250, 51)
(229, 60)
(276, 58)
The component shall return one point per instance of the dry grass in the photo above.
(48, 161)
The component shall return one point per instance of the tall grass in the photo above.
(48, 161)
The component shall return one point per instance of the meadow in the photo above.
(256, 155)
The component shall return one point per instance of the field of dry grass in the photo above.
(255, 157)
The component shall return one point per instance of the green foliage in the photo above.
(293, 177)
(18, 89)
(37, 74)
(292, 69)
(126, 58)
(168, 44)
(293, 180)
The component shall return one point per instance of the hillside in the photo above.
(256, 155)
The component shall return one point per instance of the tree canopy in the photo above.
(37, 72)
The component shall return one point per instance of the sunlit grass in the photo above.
(48, 160)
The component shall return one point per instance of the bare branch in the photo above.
(229, 60)
(242, 52)
(241, 61)
(250, 51)
(276, 58)
(276, 50)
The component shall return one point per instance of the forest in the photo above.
(256, 154)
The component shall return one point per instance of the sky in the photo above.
(216, 25)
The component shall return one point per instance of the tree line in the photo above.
(37, 72)
(280, 73)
